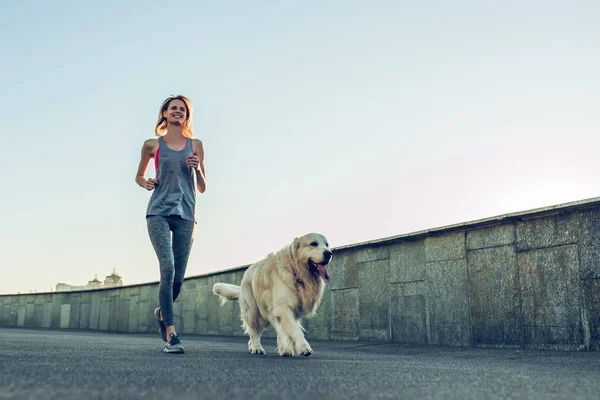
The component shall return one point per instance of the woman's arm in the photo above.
(200, 172)
(148, 152)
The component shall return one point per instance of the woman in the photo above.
(179, 166)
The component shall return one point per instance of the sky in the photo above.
(356, 119)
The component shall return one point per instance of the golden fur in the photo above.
(280, 290)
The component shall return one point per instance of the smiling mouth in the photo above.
(321, 269)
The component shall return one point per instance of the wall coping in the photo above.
(479, 223)
(483, 223)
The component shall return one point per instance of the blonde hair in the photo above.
(161, 124)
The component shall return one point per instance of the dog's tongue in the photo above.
(323, 272)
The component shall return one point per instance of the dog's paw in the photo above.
(256, 348)
(285, 346)
(306, 353)
(304, 349)
(259, 351)
(286, 352)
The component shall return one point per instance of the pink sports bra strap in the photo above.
(156, 159)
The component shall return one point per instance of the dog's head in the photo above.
(313, 250)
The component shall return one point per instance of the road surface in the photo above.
(64, 364)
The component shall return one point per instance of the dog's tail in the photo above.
(227, 291)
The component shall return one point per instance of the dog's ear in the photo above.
(295, 244)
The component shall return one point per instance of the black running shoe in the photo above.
(162, 329)
(174, 345)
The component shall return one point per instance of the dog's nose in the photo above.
(327, 254)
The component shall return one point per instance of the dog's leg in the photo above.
(290, 339)
(253, 325)
(254, 345)
(254, 331)
(285, 344)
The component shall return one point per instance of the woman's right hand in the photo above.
(150, 184)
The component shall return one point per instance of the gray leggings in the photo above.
(172, 257)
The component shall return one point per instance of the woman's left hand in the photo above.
(193, 162)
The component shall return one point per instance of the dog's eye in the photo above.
(314, 244)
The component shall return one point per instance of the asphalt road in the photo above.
(59, 364)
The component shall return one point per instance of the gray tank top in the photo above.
(175, 193)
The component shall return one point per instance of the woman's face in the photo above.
(176, 112)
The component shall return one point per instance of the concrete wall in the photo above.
(523, 280)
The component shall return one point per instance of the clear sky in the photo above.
(357, 119)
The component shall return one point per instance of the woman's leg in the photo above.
(173, 253)
(160, 236)
(183, 238)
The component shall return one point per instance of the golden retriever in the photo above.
(280, 290)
